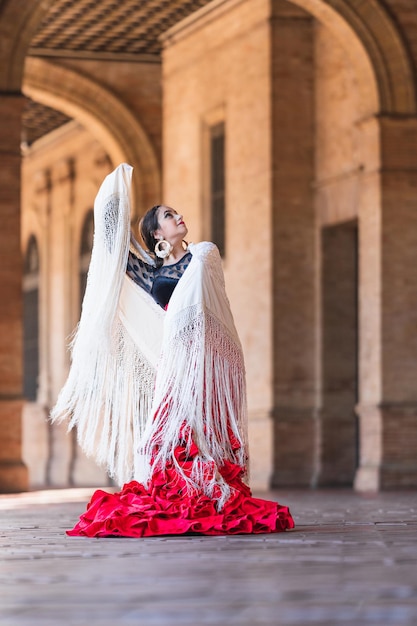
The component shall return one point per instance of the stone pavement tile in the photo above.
(351, 560)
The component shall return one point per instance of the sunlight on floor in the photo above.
(46, 496)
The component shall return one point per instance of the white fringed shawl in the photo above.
(141, 377)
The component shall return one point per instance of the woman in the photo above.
(157, 383)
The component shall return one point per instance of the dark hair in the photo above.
(147, 227)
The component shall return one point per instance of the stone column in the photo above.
(388, 311)
(294, 253)
(13, 472)
(61, 315)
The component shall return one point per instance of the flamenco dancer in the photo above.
(156, 387)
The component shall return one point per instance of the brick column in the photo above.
(388, 313)
(293, 232)
(13, 473)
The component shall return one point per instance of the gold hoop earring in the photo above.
(184, 245)
(164, 251)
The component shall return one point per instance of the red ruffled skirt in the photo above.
(169, 507)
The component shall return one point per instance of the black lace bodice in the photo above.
(159, 282)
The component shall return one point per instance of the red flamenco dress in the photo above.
(183, 367)
(169, 507)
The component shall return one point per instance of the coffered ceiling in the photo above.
(128, 26)
(125, 29)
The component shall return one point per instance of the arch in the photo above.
(376, 34)
(369, 20)
(108, 119)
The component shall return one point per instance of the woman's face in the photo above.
(171, 225)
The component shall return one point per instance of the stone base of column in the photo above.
(367, 479)
(295, 447)
(370, 452)
(388, 444)
(13, 477)
(13, 472)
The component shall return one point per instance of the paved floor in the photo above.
(351, 560)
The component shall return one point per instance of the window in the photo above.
(217, 186)
(31, 321)
(86, 245)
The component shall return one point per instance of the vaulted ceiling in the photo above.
(130, 26)
(103, 29)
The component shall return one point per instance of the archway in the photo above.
(106, 117)
(331, 178)
(375, 40)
